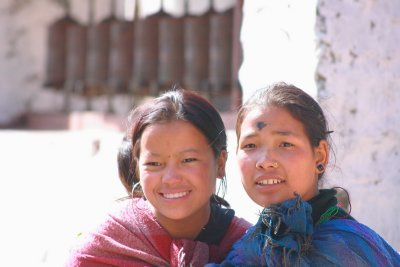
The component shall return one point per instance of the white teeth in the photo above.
(270, 181)
(176, 195)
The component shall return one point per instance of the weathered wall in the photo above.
(358, 82)
(21, 53)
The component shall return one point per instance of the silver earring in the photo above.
(136, 187)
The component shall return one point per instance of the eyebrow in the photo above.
(189, 150)
(284, 133)
(274, 132)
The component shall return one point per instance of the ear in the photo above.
(221, 162)
(321, 153)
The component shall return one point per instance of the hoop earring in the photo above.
(136, 187)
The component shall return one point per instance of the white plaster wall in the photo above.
(21, 54)
(359, 77)
(278, 42)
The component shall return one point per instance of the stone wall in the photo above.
(358, 80)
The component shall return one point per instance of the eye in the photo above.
(188, 160)
(248, 146)
(286, 144)
(152, 163)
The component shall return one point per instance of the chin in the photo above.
(272, 201)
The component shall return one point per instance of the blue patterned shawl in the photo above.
(285, 235)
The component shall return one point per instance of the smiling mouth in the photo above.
(176, 195)
(270, 182)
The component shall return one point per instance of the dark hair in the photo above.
(124, 159)
(299, 104)
(182, 105)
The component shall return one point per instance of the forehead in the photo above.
(174, 126)
(176, 132)
(271, 118)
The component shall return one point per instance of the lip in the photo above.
(268, 182)
(268, 177)
(175, 195)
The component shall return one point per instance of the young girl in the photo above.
(283, 151)
(177, 150)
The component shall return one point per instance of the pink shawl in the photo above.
(133, 237)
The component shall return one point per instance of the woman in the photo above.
(177, 150)
(283, 151)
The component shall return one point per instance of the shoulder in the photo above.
(107, 224)
(237, 228)
(345, 228)
(129, 233)
(350, 236)
(239, 225)
(129, 216)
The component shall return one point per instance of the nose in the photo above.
(171, 175)
(266, 160)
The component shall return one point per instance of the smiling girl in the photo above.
(283, 151)
(176, 148)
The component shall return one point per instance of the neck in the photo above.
(185, 228)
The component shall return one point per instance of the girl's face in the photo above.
(178, 171)
(276, 158)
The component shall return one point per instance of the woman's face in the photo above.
(276, 158)
(178, 171)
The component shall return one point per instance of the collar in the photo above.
(322, 202)
(218, 224)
